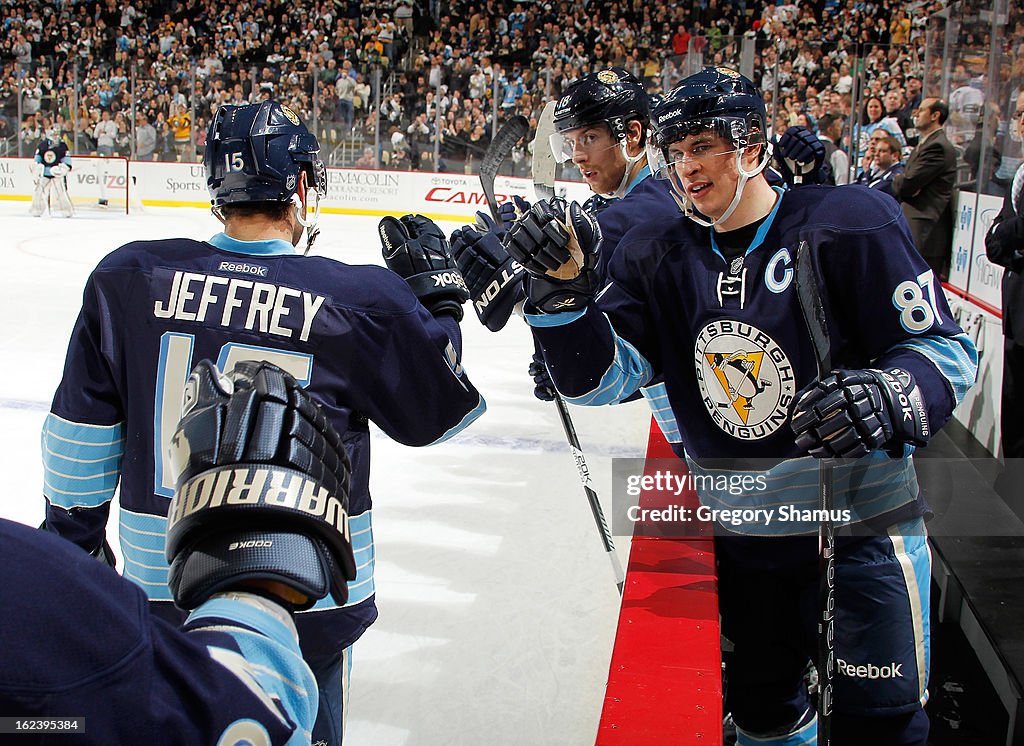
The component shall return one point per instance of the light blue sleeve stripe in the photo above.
(657, 398)
(628, 371)
(478, 410)
(955, 357)
(81, 463)
(553, 319)
(270, 655)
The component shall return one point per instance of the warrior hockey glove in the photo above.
(494, 279)
(801, 157)
(559, 255)
(262, 491)
(415, 248)
(852, 412)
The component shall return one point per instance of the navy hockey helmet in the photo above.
(612, 96)
(720, 100)
(255, 153)
(716, 98)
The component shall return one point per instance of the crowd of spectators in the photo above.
(450, 72)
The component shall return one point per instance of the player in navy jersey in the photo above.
(708, 301)
(81, 642)
(370, 346)
(51, 165)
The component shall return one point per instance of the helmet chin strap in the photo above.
(631, 160)
(686, 204)
(310, 224)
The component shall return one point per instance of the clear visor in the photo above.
(588, 141)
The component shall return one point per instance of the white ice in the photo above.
(497, 603)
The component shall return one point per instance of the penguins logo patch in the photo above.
(745, 378)
(608, 77)
(290, 115)
(49, 157)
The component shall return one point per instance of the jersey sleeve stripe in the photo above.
(628, 371)
(478, 410)
(81, 463)
(553, 319)
(657, 398)
(956, 359)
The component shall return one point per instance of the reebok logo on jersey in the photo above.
(891, 670)
(249, 269)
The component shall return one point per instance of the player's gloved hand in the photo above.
(59, 169)
(852, 412)
(262, 491)
(801, 156)
(559, 248)
(415, 248)
(595, 203)
(1004, 243)
(544, 387)
(510, 211)
(493, 278)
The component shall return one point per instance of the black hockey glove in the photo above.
(262, 491)
(415, 248)
(494, 279)
(852, 412)
(559, 255)
(801, 157)
(1004, 243)
(544, 387)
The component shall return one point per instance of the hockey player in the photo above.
(709, 302)
(151, 308)
(50, 168)
(234, 675)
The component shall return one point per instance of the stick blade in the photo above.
(501, 146)
(543, 158)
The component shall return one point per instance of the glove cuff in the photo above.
(440, 291)
(554, 296)
(907, 409)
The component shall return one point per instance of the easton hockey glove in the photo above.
(852, 412)
(560, 255)
(262, 491)
(415, 248)
(493, 278)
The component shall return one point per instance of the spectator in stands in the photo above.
(181, 128)
(885, 164)
(925, 189)
(105, 133)
(830, 131)
(145, 138)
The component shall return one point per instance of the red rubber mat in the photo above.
(665, 678)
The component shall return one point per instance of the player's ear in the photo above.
(634, 137)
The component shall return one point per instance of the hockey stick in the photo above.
(814, 316)
(501, 146)
(543, 167)
(543, 158)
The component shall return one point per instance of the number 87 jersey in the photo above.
(355, 336)
(725, 329)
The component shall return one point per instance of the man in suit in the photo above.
(884, 151)
(925, 188)
(1004, 245)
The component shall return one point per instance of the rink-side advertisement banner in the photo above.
(349, 191)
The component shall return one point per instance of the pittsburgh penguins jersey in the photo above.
(648, 200)
(729, 337)
(51, 153)
(356, 336)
